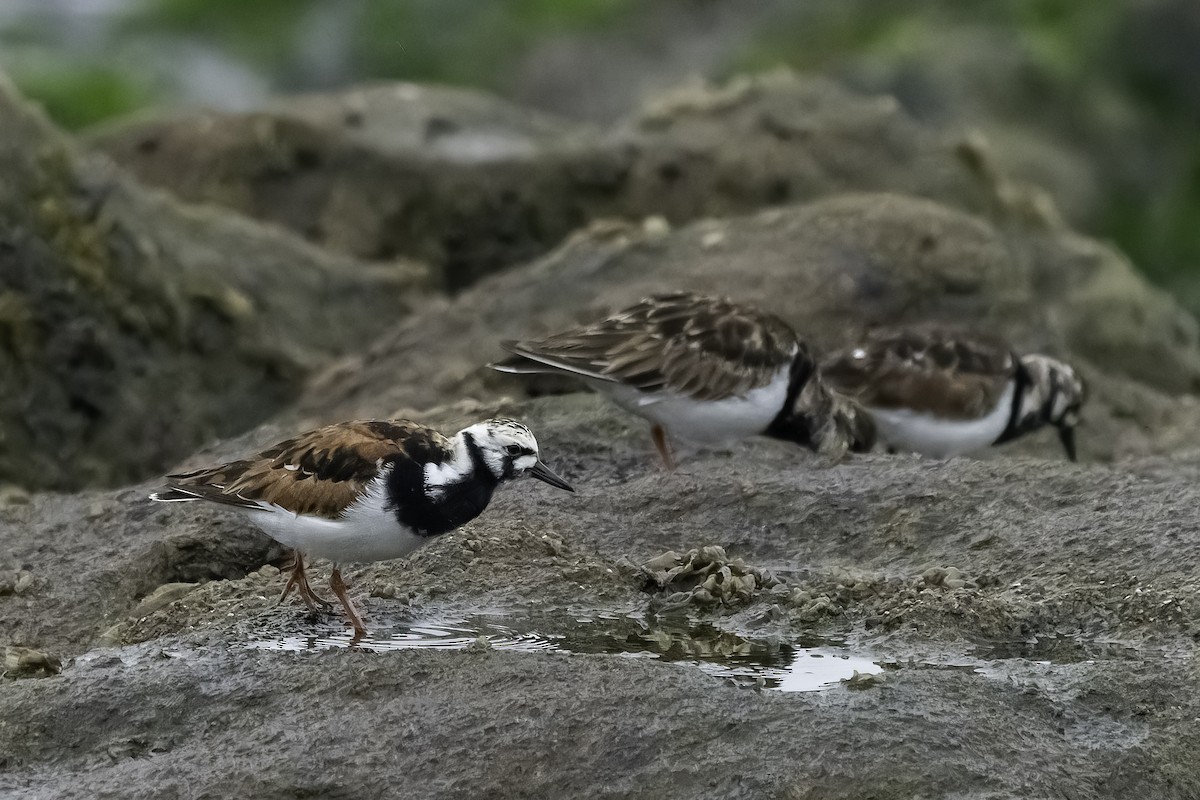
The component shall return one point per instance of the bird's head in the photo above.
(1054, 396)
(508, 450)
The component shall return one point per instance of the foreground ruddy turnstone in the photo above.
(366, 491)
(704, 370)
(943, 392)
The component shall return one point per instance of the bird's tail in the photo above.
(838, 425)
(173, 494)
(825, 421)
(519, 365)
(853, 424)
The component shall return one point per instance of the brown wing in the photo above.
(318, 473)
(951, 373)
(701, 347)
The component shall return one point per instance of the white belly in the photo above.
(705, 422)
(364, 532)
(916, 432)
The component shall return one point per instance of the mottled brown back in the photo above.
(701, 347)
(948, 372)
(318, 473)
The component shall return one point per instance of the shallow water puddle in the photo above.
(802, 666)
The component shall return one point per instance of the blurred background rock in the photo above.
(410, 180)
(1096, 102)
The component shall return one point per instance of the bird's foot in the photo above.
(299, 581)
(661, 443)
(339, 588)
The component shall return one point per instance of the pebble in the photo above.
(23, 583)
(799, 597)
(481, 645)
(861, 681)
(817, 608)
(948, 577)
(96, 509)
(14, 496)
(656, 227)
(26, 662)
(933, 576)
(162, 596)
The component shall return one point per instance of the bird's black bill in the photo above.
(546, 475)
(1067, 436)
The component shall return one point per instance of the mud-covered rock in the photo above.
(132, 329)
(1080, 628)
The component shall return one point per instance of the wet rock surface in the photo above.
(1074, 587)
(1029, 625)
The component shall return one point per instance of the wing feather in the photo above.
(949, 372)
(702, 347)
(318, 473)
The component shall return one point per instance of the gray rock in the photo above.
(472, 185)
(132, 328)
(1105, 555)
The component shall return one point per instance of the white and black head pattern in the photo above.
(1050, 392)
(944, 391)
(506, 449)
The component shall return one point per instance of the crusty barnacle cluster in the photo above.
(705, 576)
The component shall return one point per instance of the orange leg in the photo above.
(339, 588)
(659, 435)
(299, 580)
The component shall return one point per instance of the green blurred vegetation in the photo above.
(259, 31)
(76, 98)
(469, 42)
(455, 41)
(1077, 78)
(1081, 82)
(466, 42)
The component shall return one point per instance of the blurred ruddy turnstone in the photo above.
(366, 491)
(943, 392)
(702, 369)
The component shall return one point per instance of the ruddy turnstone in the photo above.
(943, 392)
(702, 369)
(367, 490)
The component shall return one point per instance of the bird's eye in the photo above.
(513, 449)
